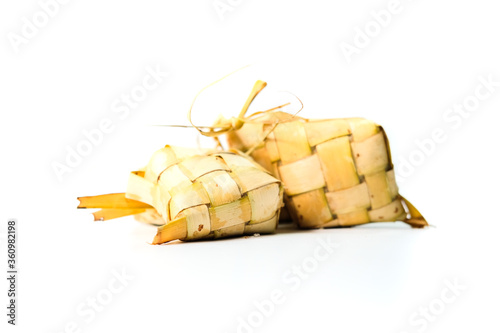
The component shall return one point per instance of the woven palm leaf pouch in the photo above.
(194, 194)
(336, 172)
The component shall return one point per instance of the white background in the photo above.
(64, 80)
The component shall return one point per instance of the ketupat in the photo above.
(197, 194)
(336, 172)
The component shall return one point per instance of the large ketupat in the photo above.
(197, 194)
(336, 172)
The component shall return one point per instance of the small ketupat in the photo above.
(197, 194)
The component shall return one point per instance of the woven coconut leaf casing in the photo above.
(336, 172)
(198, 194)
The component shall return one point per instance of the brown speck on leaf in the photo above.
(301, 217)
(357, 155)
(372, 196)
(200, 227)
(298, 206)
(380, 217)
(216, 185)
(396, 210)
